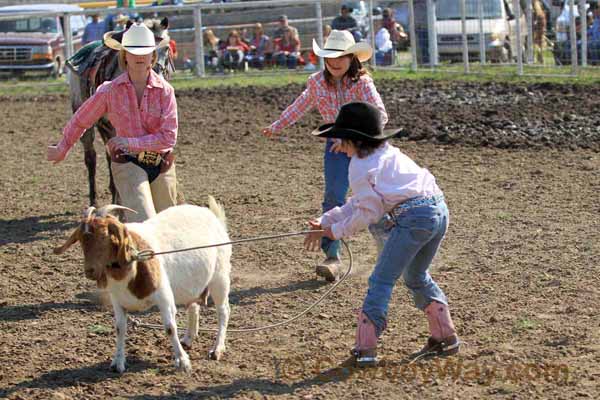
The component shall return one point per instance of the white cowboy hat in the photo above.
(341, 43)
(138, 40)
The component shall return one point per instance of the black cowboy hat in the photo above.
(358, 121)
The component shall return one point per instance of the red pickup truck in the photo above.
(37, 43)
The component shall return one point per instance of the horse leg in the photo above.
(90, 162)
(111, 182)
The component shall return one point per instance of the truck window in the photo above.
(37, 24)
(450, 9)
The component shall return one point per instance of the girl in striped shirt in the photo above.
(344, 80)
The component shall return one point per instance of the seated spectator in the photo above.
(232, 52)
(259, 48)
(212, 44)
(383, 46)
(346, 22)
(283, 26)
(397, 35)
(287, 50)
(313, 60)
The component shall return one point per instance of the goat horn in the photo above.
(108, 209)
(87, 216)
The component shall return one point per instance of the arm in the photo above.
(370, 95)
(366, 208)
(85, 116)
(304, 103)
(166, 138)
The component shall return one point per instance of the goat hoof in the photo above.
(183, 364)
(186, 347)
(117, 367)
(215, 355)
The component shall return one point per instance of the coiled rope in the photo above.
(148, 254)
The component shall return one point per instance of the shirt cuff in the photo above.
(337, 230)
(63, 148)
(276, 127)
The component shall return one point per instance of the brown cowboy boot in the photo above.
(443, 340)
(365, 348)
(329, 269)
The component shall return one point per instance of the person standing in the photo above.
(344, 80)
(93, 31)
(142, 108)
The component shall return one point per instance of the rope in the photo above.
(147, 254)
(137, 323)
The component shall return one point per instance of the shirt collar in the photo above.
(154, 80)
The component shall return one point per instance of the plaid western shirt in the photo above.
(150, 127)
(329, 99)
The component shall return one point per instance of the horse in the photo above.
(100, 65)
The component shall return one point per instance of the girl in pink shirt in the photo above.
(387, 183)
(344, 80)
(142, 108)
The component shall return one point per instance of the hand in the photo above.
(117, 144)
(336, 146)
(267, 132)
(54, 154)
(312, 241)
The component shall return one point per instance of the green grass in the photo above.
(524, 324)
(100, 329)
(446, 72)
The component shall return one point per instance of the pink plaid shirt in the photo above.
(329, 99)
(150, 127)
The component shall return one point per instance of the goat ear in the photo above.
(75, 236)
(120, 240)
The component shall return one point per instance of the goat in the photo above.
(183, 278)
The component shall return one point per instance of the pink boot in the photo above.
(443, 340)
(365, 349)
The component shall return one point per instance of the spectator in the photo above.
(383, 46)
(259, 47)
(397, 34)
(283, 25)
(346, 22)
(120, 22)
(233, 51)
(93, 31)
(287, 50)
(594, 35)
(421, 31)
(312, 57)
(539, 30)
(211, 49)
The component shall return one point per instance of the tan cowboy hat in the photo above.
(121, 18)
(138, 40)
(341, 43)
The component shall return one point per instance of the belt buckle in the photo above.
(150, 158)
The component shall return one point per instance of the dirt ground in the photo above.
(521, 172)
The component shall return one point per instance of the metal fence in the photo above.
(537, 37)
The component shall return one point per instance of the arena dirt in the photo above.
(519, 167)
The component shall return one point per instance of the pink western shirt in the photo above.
(151, 126)
(329, 99)
(379, 182)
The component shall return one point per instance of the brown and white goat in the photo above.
(109, 249)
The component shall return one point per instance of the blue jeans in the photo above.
(408, 250)
(336, 188)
